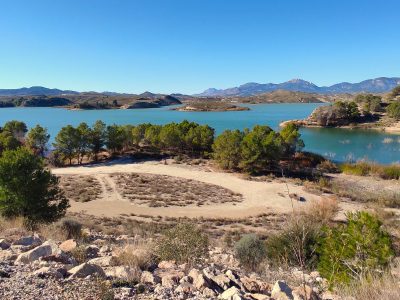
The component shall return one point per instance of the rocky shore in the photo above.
(34, 268)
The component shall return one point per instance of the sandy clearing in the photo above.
(258, 197)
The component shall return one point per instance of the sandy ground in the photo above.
(259, 197)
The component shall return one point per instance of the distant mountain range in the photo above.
(377, 85)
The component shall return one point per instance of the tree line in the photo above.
(251, 150)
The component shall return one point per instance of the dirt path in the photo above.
(258, 197)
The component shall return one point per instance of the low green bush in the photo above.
(250, 251)
(355, 250)
(184, 243)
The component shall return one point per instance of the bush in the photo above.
(393, 110)
(296, 245)
(183, 243)
(28, 189)
(250, 251)
(327, 166)
(359, 169)
(355, 250)
(72, 228)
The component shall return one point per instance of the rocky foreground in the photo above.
(33, 268)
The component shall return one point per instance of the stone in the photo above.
(105, 261)
(123, 272)
(68, 245)
(169, 281)
(232, 293)
(31, 241)
(148, 278)
(304, 293)
(34, 254)
(48, 272)
(186, 279)
(259, 296)
(4, 244)
(207, 292)
(170, 264)
(85, 270)
(222, 281)
(281, 291)
(185, 287)
(4, 274)
(200, 282)
(92, 251)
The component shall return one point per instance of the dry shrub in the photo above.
(322, 211)
(52, 232)
(12, 228)
(139, 256)
(79, 254)
(382, 288)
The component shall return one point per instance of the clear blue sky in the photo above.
(187, 46)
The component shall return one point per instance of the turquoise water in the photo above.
(338, 144)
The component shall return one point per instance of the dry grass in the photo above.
(163, 191)
(385, 288)
(138, 255)
(322, 211)
(80, 188)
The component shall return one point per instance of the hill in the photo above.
(377, 85)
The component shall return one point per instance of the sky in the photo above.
(187, 46)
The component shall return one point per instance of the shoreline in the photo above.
(394, 129)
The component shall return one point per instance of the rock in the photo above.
(68, 245)
(223, 281)
(34, 254)
(186, 279)
(253, 285)
(185, 287)
(4, 244)
(85, 270)
(4, 274)
(281, 291)
(232, 293)
(209, 293)
(330, 296)
(170, 264)
(48, 272)
(123, 272)
(8, 255)
(105, 261)
(259, 296)
(148, 278)
(31, 241)
(92, 251)
(304, 293)
(170, 280)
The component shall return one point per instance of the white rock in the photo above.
(232, 293)
(281, 291)
(30, 256)
(85, 270)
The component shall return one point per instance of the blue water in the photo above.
(338, 144)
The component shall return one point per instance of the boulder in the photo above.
(232, 293)
(31, 241)
(85, 270)
(185, 287)
(148, 278)
(48, 272)
(105, 261)
(30, 256)
(170, 264)
(281, 291)
(68, 245)
(223, 281)
(304, 293)
(209, 293)
(253, 285)
(259, 296)
(123, 272)
(4, 244)
(92, 251)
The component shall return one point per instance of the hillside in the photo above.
(377, 85)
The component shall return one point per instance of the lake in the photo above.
(337, 144)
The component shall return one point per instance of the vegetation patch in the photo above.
(80, 188)
(162, 191)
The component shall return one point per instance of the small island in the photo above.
(207, 106)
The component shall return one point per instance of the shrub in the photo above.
(183, 243)
(328, 167)
(393, 110)
(136, 256)
(355, 250)
(296, 245)
(72, 228)
(250, 251)
(28, 189)
(359, 169)
(322, 211)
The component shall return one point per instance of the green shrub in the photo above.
(393, 110)
(184, 243)
(391, 172)
(250, 251)
(359, 169)
(72, 228)
(296, 245)
(355, 250)
(28, 189)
